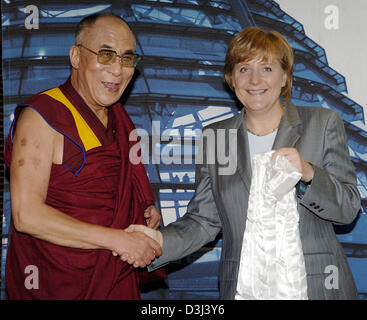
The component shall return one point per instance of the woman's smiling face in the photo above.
(258, 83)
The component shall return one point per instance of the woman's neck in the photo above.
(261, 124)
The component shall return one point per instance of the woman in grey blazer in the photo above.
(259, 66)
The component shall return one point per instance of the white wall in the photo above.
(346, 47)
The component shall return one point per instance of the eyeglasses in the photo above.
(107, 56)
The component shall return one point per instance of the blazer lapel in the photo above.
(288, 131)
(243, 161)
(287, 136)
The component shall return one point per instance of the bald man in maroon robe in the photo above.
(73, 187)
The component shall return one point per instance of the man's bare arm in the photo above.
(36, 146)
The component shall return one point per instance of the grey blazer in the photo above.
(220, 202)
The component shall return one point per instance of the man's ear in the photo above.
(74, 54)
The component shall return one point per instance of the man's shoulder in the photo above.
(39, 99)
(48, 107)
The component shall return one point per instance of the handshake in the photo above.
(139, 245)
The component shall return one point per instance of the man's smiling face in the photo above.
(102, 85)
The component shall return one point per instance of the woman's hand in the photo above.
(154, 234)
(297, 161)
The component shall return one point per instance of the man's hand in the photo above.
(297, 161)
(153, 217)
(136, 248)
(135, 256)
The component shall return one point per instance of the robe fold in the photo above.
(96, 183)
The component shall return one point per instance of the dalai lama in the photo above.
(73, 189)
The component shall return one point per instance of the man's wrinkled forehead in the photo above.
(110, 25)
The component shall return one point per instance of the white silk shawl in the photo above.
(272, 264)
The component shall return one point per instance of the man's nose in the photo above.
(116, 67)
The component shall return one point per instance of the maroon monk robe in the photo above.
(105, 189)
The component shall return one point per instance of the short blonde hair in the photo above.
(254, 42)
